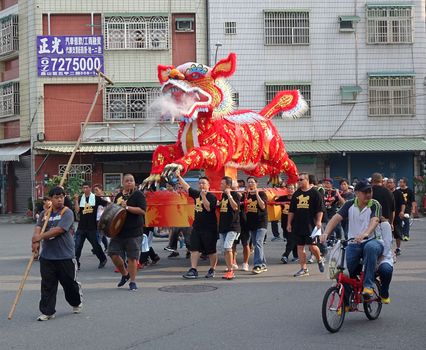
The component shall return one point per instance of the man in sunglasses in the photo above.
(305, 214)
(363, 214)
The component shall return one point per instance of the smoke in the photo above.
(166, 107)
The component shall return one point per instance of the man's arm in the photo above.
(234, 204)
(289, 221)
(374, 221)
(182, 182)
(260, 200)
(204, 200)
(330, 226)
(76, 204)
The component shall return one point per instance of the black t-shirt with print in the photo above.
(408, 195)
(204, 220)
(88, 213)
(305, 205)
(285, 207)
(256, 217)
(133, 225)
(229, 219)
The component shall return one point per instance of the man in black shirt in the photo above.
(229, 222)
(257, 223)
(305, 214)
(331, 199)
(291, 246)
(410, 207)
(87, 206)
(204, 229)
(384, 197)
(399, 213)
(129, 240)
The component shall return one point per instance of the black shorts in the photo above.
(243, 238)
(131, 246)
(304, 240)
(203, 241)
(397, 231)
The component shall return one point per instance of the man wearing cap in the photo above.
(363, 214)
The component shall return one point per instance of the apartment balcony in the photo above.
(147, 131)
(9, 33)
(9, 99)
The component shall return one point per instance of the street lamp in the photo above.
(217, 48)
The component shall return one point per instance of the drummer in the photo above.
(129, 239)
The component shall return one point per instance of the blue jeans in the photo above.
(385, 272)
(369, 251)
(257, 237)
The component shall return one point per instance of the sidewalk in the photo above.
(15, 219)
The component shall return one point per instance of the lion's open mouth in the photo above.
(189, 100)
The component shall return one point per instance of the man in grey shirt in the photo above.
(57, 258)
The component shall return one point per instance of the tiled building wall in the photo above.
(331, 59)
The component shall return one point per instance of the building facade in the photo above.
(359, 64)
(53, 92)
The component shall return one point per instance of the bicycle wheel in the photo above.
(333, 315)
(373, 306)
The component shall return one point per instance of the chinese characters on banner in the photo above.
(59, 56)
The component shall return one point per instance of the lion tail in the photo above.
(290, 103)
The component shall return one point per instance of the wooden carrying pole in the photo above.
(103, 80)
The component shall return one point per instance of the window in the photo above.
(112, 181)
(184, 24)
(286, 28)
(82, 171)
(130, 102)
(391, 96)
(236, 99)
(9, 34)
(230, 28)
(9, 99)
(349, 93)
(389, 25)
(347, 23)
(138, 32)
(305, 90)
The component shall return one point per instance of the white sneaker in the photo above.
(245, 267)
(77, 309)
(43, 317)
(235, 266)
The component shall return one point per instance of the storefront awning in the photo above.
(357, 145)
(96, 148)
(12, 153)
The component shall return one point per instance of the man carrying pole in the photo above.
(57, 259)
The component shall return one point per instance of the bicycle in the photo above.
(335, 304)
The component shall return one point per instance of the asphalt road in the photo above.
(269, 311)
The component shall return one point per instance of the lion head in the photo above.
(196, 88)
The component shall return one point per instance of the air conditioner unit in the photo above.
(184, 24)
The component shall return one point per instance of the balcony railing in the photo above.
(9, 42)
(121, 132)
(9, 99)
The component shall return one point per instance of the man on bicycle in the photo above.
(363, 215)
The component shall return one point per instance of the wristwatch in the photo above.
(127, 208)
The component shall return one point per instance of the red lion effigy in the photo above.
(212, 135)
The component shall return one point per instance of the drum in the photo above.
(112, 220)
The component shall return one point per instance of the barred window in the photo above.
(391, 96)
(389, 25)
(9, 34)
(286, 28)
(9, 99)
(230, 28)
(236, 99)
(305, 90)
(82, 171)
(129, 102)
(137, 32)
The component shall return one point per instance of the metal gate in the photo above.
(23, 183)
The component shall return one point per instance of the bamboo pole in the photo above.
(103, 80)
